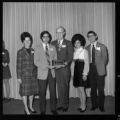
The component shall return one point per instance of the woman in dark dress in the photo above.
(81, 68)
(6, 70)
(26, 72)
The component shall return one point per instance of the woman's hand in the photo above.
(84, 77)
(20, 81)
(4, 64)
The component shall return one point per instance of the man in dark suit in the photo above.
(98, 60)
(64, 56)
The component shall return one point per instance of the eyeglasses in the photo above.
(45, 36)
(60, 32)
(90, 36)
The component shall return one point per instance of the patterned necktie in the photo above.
(93, 54)
(59, 45)
(47, 54)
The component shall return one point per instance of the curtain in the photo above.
(79, 17)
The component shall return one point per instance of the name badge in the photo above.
(63, 46)
(98, 48)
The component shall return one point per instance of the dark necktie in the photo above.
(47, 54)
(93, 54)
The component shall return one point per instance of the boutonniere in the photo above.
(32, 51)
(63, 46)
(98, 48)
(3, 53)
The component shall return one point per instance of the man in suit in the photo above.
(45, 53)
(98, 60)
(64, 55)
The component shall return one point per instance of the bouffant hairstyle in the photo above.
(26, 34)
(79, 37)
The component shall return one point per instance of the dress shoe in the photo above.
(60, 108)
(65, 109)
(7, 99)
(82, 110)
(102, 109)
(54, 112)
(94, 108)
(32, 111)
(42, 113)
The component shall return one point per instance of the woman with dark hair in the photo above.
(81, 68)
(26, 72)
(6, 70)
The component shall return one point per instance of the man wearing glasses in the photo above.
(98, 60)
(45, 53)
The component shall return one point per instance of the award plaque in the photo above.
(58, 63)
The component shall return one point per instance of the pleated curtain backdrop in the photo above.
(34, 17)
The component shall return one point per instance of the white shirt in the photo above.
(61, 41)
(44, 46)
(82, 54)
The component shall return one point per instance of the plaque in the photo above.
(58, 63)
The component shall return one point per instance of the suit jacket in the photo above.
(25, 64)
(5, 56)
(41, 62)
(66, 52)
(101, 57)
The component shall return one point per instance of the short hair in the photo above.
(92, 32)
(46, 32)
(63, 30)
(79, 37)
(26, 34)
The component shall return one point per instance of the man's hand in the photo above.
(65, 63)
(59, 66)
(51, 67)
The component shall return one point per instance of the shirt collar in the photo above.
(94, 43)
(60, 41)
(44, 45)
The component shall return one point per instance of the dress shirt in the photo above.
(44, 46)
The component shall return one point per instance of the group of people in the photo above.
(50, 64)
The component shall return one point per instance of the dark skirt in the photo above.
(6, 72)
(78, 74)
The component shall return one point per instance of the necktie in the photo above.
(47, 54)
(93, 54)
(59, 44)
